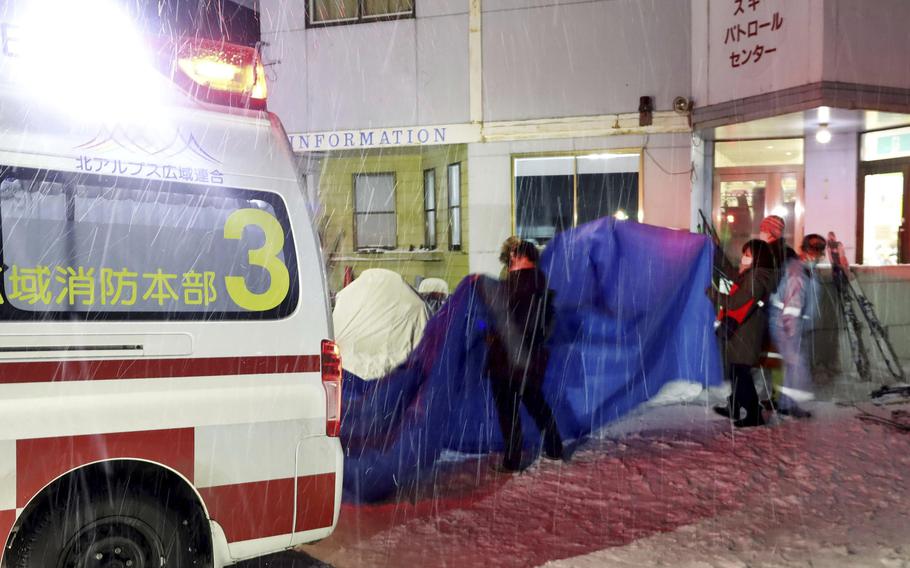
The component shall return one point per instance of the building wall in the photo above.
(866, 42)
(540, 60)
(830, 188)
(886, 288)
(851, 41)
(282, 25)
(544, 59)
(379, 74)
(336, 196)
(702, 181)
(666, 178)
(797, 43)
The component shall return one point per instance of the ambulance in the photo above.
(170, 393)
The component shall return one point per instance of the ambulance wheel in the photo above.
(116, 530)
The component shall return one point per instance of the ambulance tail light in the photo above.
(331, 381)
(221, 73)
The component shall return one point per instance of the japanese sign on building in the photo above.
(759, 46)
(753, 35)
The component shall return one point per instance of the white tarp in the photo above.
(379, 320)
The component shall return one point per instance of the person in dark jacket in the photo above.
(744, 323)
(771, 230)
(517, 360)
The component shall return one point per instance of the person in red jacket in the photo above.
(743, 324)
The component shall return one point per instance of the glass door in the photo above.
(745, 196)
(883, 235)
(741, 208)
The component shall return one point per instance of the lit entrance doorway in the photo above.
(883, 203)
(883, 236)
(753, 179)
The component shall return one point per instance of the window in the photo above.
(453, 182)
(884, 198)
(555, 193)
(326, 12)
(429, 208)
(753, 179)
(885, 144)
(89, 246)
(884, 206)
(375, 222)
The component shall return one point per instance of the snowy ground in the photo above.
(668, 486)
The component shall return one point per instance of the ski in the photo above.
(841, 278)
(849, 291)
(901, 390)
(878, 331)
(722, 265)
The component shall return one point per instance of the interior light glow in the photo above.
(823, 135)
(621, 215)
(541, 158)
(824, 115)
(730, 219)
(780, 211)
(603, 156)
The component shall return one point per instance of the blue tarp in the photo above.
(631, 315)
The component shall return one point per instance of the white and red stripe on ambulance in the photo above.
(250, 493)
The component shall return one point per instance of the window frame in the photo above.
(873, 167)
(393, 212)
(360, 18)
(576, 154)
(430, 238)
(284, 310)
(451, 209)
(773, 196)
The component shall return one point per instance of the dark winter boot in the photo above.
(749, 421)
(724, 410)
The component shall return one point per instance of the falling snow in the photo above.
(421, 136)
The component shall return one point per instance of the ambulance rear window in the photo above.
(80, 246)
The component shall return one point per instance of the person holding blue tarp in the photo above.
(743, 325)
(631, 316)
(521, 312)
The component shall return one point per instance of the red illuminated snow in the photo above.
(670, 487)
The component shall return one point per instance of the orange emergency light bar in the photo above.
(221, 73)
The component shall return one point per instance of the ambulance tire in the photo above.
(116, 529)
